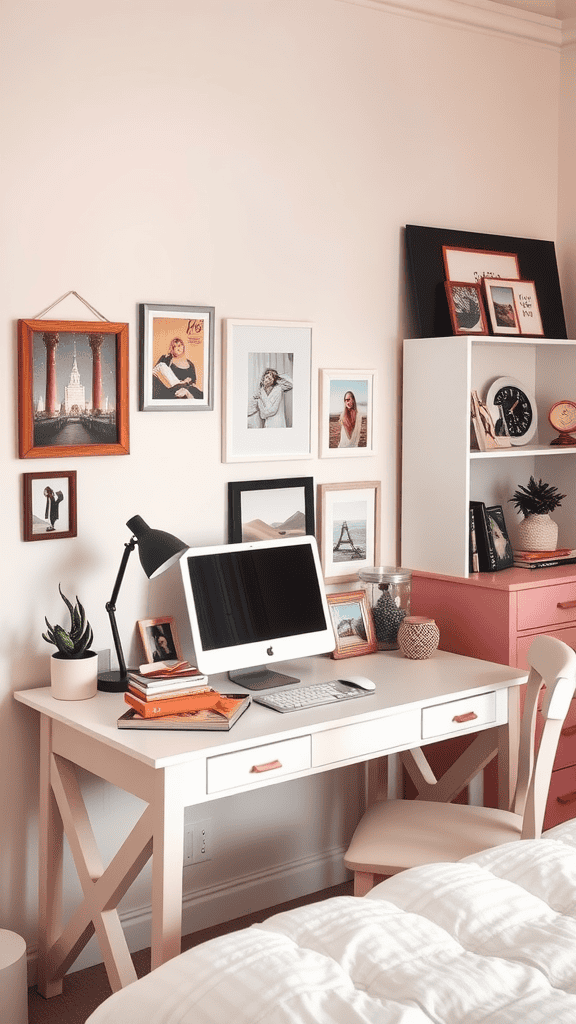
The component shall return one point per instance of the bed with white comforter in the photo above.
(490, 939)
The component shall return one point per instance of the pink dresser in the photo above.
(495, 616)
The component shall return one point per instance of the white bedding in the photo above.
(489, 939)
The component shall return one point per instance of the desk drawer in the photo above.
(458, 716)
(539, 607)
(349, 742)
(257, 765)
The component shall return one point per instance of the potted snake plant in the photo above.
(73, 666)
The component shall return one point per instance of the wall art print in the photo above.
(49, 505)
(176, 358)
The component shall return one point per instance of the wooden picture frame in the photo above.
(466, 307)
(49, 505)
(348, 528)
(352, 623)
(267, 384)
(160, 639)
(340, 439)
(513, 307)
(186, 385)
(473, 265)
(270, 509)
(73, 378)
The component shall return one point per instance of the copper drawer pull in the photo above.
(468, 717)
(568, 798)
(570, 730)
(265, 767)
(566, 604)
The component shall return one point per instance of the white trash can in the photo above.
(13, 979)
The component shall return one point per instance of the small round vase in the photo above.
(418, 637)
(537, 533)
(74, 678)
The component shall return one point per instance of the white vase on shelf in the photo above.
(537, 532)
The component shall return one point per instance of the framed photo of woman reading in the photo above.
(176, 358)
(346, 413)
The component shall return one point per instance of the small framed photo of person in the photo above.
(346, 413)
(176, 358)
(160, 640)
(49, 503)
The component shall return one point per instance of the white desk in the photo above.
(415, 702)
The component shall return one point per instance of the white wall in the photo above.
(261, 157)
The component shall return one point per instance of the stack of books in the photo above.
(175, 695)
(544, 559)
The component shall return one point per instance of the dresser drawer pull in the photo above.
(568, 798)
(570, 730)
(469, 717)
(566, 604)
(266, 767)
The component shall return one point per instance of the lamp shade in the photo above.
(158, 550)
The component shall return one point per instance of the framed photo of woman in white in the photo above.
(346, 413)
(267, 399)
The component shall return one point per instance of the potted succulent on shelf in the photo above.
(73, 667)
(537, 531)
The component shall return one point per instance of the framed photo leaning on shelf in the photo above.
(513, 307)
(466, 308)
(160, 639)
(347, 413)
(348, 528)
(270, 509)
(352, 622)
(176, 358)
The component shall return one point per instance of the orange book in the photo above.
(173, 705)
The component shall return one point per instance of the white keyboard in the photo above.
(311, 696)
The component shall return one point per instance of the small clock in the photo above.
(513, 410)
(562, 416)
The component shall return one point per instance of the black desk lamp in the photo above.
(158, 551)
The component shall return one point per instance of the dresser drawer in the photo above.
(458, 716)
(257, 765)
(566, 750)
(540, 607)
(561, 804)
(523, 643)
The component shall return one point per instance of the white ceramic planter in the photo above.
(74, 678)
(537, 533)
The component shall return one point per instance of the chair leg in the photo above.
(363, 882)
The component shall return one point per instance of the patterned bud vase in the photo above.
(418, 637)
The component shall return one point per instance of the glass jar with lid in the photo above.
(388, 593)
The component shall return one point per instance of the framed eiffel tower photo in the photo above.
(348, 528)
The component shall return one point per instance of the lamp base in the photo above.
(113, 682)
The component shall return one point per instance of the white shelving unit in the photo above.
(440, 472)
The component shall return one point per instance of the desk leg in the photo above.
(50, 852)
(167, 864)
(508, 741)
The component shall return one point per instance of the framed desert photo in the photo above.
(49, 505)
(346, 413)
(267, 390)
(352, 622)
(160, 639)
(348, 528)
(72, 388)
(473, 265)
(513, 307)
(270, 509)
(466, 307)
(176, 358)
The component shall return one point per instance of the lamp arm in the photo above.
(111, 605)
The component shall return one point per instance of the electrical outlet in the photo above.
(197, 839)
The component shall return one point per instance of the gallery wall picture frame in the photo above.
(72, 389)
(513, 307)
(347, 409)
(353, 625)
(176, 372)
(267, 390)
(426, 274)
(270, 509)
(466, 306)
(348, 528)
(160, 639)
(49, 505)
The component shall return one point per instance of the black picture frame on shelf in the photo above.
(426, 273)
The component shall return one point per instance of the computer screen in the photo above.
(254, 603)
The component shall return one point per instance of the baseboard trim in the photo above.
(224, 901)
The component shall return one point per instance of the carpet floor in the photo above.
(84, 990)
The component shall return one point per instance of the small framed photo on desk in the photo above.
(352, 622)
(160, 639)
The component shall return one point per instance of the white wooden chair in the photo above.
(394, 835)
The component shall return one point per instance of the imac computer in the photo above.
(254, 603)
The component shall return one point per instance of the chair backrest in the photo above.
(553, 665)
